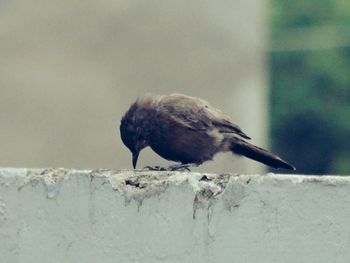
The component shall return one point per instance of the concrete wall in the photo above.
(69, 70)
(109, 216)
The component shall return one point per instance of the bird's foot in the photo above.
(174, 167)
(181, 167)
(154, 168)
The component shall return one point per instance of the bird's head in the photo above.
(135, 129)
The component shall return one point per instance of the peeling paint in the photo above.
(51, 178)
(135, 185)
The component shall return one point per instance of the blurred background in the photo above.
(309, 62)
(70, 69)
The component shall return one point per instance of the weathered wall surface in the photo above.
(105, 216)
(70, 69)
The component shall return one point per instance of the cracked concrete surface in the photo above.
(133, 185)
(66, 215)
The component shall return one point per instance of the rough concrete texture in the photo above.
(58, 215)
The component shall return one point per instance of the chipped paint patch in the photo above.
(135, 185)
(51, 178)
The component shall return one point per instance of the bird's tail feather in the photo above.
(258, 154)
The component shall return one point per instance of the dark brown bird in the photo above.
(187, 130)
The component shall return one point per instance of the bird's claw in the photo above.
(154, 168)
(179, 167)
(173, 168)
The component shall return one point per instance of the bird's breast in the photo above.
(184, 145)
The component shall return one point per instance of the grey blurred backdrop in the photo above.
(70, 69)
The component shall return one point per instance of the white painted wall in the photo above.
(94, 216)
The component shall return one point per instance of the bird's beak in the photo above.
(135, 156)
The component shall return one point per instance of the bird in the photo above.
(188, 131)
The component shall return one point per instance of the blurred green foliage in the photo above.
(310, 84)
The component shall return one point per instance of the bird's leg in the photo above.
(181, 167)
(154, 168)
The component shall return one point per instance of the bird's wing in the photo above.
(197, 114)
(186, 111)
(225, 125)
